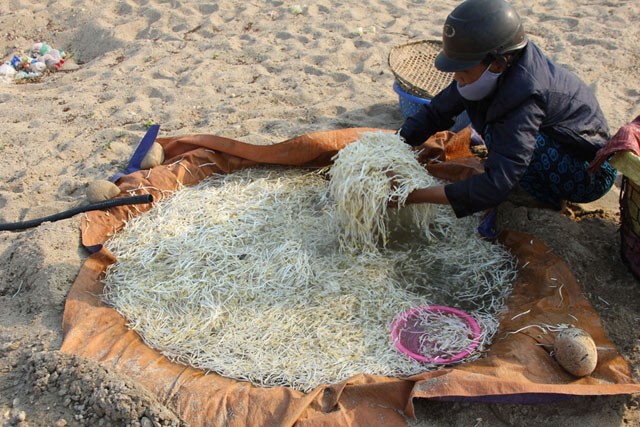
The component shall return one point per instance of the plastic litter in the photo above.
(37, 61)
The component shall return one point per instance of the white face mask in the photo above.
(480, 88)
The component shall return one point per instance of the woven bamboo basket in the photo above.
(630, 224)
(413, 66)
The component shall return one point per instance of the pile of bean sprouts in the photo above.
(246, 275)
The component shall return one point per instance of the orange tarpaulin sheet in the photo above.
(515, 369)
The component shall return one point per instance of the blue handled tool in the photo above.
(143, 147)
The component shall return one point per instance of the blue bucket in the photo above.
(409, 104)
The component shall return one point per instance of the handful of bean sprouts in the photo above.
(245, 275)
(361, 186)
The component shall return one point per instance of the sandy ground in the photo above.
(261, 72)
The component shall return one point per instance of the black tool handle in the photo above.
(132, 200)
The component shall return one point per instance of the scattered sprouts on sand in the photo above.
(247, 275)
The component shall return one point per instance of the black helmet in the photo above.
(477, 29)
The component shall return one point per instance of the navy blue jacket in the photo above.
(533, 95)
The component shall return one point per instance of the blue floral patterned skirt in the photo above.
(554, 175)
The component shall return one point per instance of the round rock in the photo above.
(576, 352)
(101, 190)
(153, 158)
